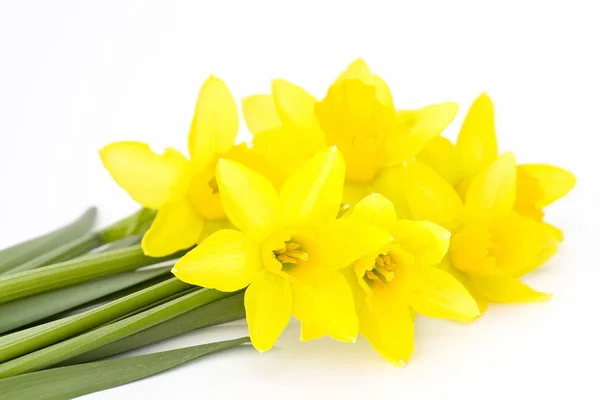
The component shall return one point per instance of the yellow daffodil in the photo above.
(398, 278)
(357, 115)
(184, 192)
(289, 250)
(538, 185)
(492, 245)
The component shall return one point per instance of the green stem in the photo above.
(119, 244)
(26, 341)
(96, 338)
(19, 313)
(219, 312)
(23, 252)
(79, 380)
(67, 273)
(134, 224)
(65, 252)
(122, 233)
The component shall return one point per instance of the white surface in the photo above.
(77, 75)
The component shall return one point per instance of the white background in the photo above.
(77, 75)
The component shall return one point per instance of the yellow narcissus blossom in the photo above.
(184, 192)
(357, 115)
(538, 185)
(290, 250)
(400, 277)
(492, 245)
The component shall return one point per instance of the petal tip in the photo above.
(397, 363)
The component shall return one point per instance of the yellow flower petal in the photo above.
(506, 289)
(356, 122)
(390, 333)
(339, 243)
(492, 192)
(387, 182)
(275, 146)
(314, 193)
(539, 185)
(215, 124)
(213, 225)
(440, 154)
(375, 209)
(426, 241)
(358, 69)
(354, 192)
(260, 113)
(326, 304)
(437, 294)
(227, 260)
(249, 199)
(256, 161)
(295, 106)
(476, 145)
(413, 129)
(177, 226)
(471, 250)
(482, 302)
(522, 243)
(383, 92)
(308, 333)
(145, 175)
(426, 195)
(268, 303)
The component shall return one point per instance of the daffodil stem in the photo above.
(122, 233)
(26, 251)
(104, 335)
(31, 339)
(70, 272)
(119, 244)
(78, 380)
(134, 224)
(20, 313)
(65, 252)
(219, 312)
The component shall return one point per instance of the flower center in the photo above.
(290, 255)
(381, 272)
(204, 193)
(213, 185)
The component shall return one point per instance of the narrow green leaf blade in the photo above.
(67, 251)
(119, 244)
(219, 312)
(106, 334)
(31, 339)
(22, 312)
(13, 287)
(134, 224)
(78, 380)
(20, 253)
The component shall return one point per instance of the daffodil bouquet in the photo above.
(347, 213)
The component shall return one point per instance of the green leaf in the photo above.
(124, 233)
(65, 252)
(106, 299)
(18, 313)
(78, 380)
(119, 244)
(103, 335)
(25, 251)
(219, 312)
(13, 287)
(40, 336)
(135, 224)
